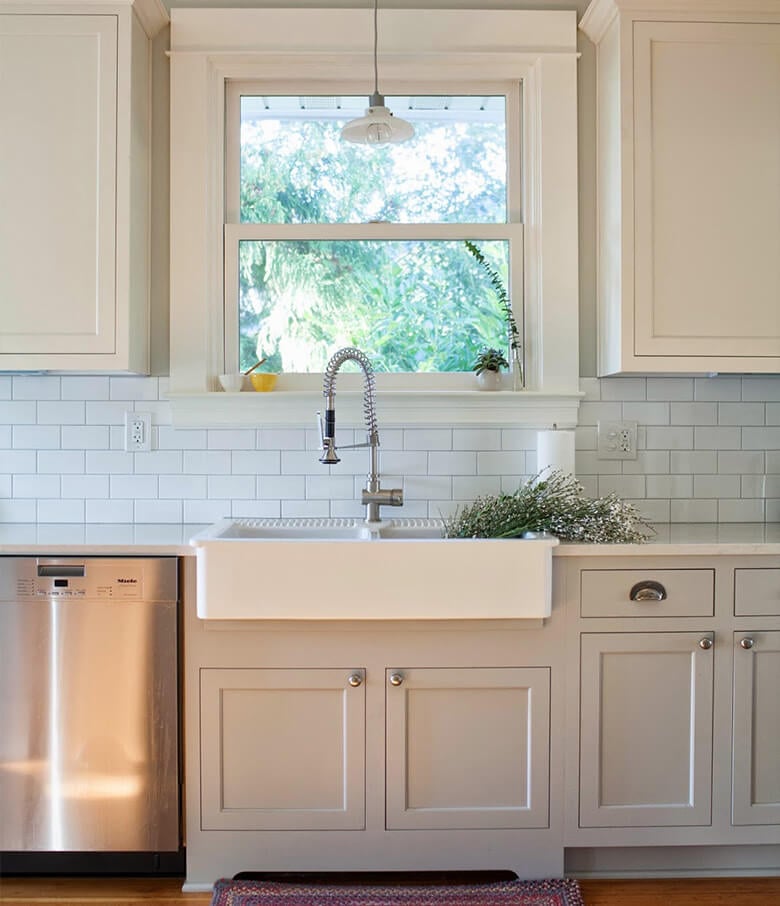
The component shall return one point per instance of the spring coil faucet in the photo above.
(373, 496)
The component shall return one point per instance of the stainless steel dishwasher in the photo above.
(89, 753)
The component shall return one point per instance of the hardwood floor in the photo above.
(167, 892)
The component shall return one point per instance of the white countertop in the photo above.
(153, 539)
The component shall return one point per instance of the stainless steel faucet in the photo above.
(373, 496)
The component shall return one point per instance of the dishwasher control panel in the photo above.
(97, 579)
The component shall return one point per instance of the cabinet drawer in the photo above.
(757, 592)
(666, 592)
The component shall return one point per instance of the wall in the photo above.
(709, 447)
(709, 450)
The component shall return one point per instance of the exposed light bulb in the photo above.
(378, 126)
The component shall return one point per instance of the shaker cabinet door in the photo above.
(646, 729)
(468, 747)
(282, 749)
(756, 761)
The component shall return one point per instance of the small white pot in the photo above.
(489, 380)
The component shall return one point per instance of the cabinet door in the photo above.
(282, 749)
(468, 747)
(646, 729)
(58, 95)
(707, 182)
(756, 759)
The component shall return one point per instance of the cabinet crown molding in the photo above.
(599, 15)
(151, 14)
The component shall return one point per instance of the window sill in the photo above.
(395, 408)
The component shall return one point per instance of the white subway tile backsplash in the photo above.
(192, 487)
(135, 486)
(329, 487)
(206, 511)
(36, 437)
(731, 462)
(36, 387)
(761, 389)
(632, 388)
(206, 462)
(717, 389)
(60, 511)
(716, 486)
(134, 388)
(78, 387)
(294, 509)
(694, 414)
(720, 438)
(740, 511)
(109, 510)
(648, 413)
(629, 486)
(429, 487)
(741, 413)
(232, 439)
(36, 485)
(428, 439)
(476, 439)
(158, 511)
(85, 437)
(669, 388)
(62, 461)
(111, 462)
(461, 463)
(85, 486)
(350, 509)
(673, 438)
(155, 462)
(61, 412)
(18, 412)
(708, 449)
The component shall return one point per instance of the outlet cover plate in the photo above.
(138, 432)
(617, 440)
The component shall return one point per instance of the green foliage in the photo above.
(490, 360)
(499, 287)
(556, 504)
(411, 306)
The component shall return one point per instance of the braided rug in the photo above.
(498, 893)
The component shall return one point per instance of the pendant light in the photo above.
(378, 126)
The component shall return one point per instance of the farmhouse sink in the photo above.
(342, 569)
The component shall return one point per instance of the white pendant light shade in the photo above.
(378, 126)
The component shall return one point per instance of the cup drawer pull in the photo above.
(647, 591)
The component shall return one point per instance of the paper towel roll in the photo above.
(555, 451)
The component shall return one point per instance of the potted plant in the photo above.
(487, 368)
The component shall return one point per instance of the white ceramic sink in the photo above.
(339, 569)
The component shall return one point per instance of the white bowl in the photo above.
(231, 383)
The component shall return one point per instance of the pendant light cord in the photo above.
(376, 46)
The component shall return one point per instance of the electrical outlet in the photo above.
(617, 440)
(138, 431)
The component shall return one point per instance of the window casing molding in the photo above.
(213, 47)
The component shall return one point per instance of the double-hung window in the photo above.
(289, 243)
(331, 244)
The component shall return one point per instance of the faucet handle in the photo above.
(321, 425)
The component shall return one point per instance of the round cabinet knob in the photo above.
(396, 679)
(355, 679)
(746, 643)
(705, 643)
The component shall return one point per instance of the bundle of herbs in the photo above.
(556, 504)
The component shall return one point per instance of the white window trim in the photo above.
(210, 47)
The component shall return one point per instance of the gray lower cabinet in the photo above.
(646, 729)
(467, 748)
(756, 743)
(282, 749)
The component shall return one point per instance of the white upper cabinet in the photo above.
(688, 185)
(74, 179)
